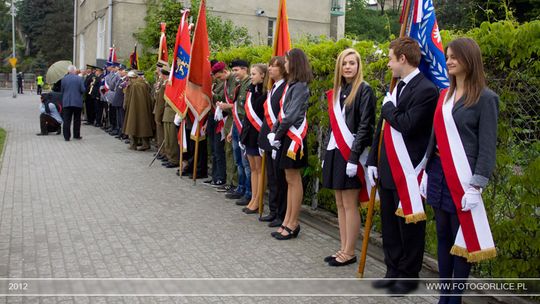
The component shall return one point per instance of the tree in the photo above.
(367, 24)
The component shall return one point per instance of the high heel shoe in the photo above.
(291, 233)
(250, 211)
(275, 233)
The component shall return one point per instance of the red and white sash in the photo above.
(223, 119)
(268, 112)
(344, 140)
(473, 240)
(236, 117)
(296, 135)
(255, 120)
(406, 177)
(182, 141)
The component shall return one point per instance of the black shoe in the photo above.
(329, 258)
(79, 138)
(403, 287)
(244, 201)
(178, 172)
(291, 234)
(66, 139)
(165, 163)
(97, 125)
(41, 134)
(114, 133)
(268, 218)
(217, 183)
(234, 195)
(171, 165)
(250, 211)
(208, 182)
(58, 132)
(89, 123)
(275, 223)
(336, 263)
(385, 283)
(275, 233)
(225, 188)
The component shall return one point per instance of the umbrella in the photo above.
(57, 71)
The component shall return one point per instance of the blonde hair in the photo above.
(263, 69)
(338, 74)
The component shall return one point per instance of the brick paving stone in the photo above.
(94, 209)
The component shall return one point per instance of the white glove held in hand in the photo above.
(387, 98)
(372, 175)
(423, 185)
(351, 169)
(471, 199)
(271, 139)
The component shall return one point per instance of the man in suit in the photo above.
(72, 91)
(412, 116)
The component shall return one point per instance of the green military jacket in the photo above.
(168, 113)
(241, 97)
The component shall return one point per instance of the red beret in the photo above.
(218, 67)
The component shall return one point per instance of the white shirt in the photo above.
(276, 85)
(408, 78)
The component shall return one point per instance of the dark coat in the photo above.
(265, 129)
(249, 136)
(413, 118)
(360, 119)
(295, 107)
(72, 91)
(477, 127)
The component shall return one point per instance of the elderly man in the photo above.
(72, 88)
(139, 117)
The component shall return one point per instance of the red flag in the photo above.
(163, 54)
(134, 59)
(282, 39)
(199, 87)
(176, 86)
(112, 55)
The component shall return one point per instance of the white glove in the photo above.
(423, 185)
(351, 169)
(242, 146)
(387, 98)
(372, 175)
(322, 164)
(271, 139)
(218, 114)
(471, 199)
(177, 119)
(261, 152)
(274, 154)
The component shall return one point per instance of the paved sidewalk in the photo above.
(93, 209)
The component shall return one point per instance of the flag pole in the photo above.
(182, 126)
(262, 183)
(373, 194)
(197, 131)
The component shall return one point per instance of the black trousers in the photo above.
(90, 106)
(100, 106)
(403, 244)
(277, 187)
(120, 114)
(112, 117)
(39, 89)
(48, 124)
(20, 88)
(70, 113)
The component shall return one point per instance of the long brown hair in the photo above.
(263, 69)
(299, 68)
(338, 74)
(468, 54)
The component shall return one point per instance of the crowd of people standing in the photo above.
(258, 118)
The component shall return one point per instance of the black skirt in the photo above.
(286, 162)
(334, 172)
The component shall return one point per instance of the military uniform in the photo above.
(159, 108)
(170, 148)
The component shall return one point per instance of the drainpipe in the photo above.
(74, 31)
(109, 24)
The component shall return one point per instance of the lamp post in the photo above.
(13, 68)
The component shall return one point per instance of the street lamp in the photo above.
(13, 68)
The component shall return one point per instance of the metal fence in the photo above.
(29, 81)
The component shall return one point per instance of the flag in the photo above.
(176, 86)
(199, 86)
(163, 55)
(424, 29)
(112, 55)
(134, 59)
(282, 38)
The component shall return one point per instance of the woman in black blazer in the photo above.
(474, 112)
(358, 101)
(292, 119)
(250, 132)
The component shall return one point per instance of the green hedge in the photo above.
(511, 54)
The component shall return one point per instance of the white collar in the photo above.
(279, 82)
(411, 75)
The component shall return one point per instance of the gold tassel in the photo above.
(459, 251)
(481, 255)
(414, 218)
(399, 212)
(291, 155)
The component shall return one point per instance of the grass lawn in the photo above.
(2, 139)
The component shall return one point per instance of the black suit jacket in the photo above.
(360, 119)
(477, 127)
(413, 118)
(265, 129)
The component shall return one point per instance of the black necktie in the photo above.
(400, 86)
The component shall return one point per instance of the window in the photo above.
(100, 42)
(271, 24)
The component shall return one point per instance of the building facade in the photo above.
(102, 23)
